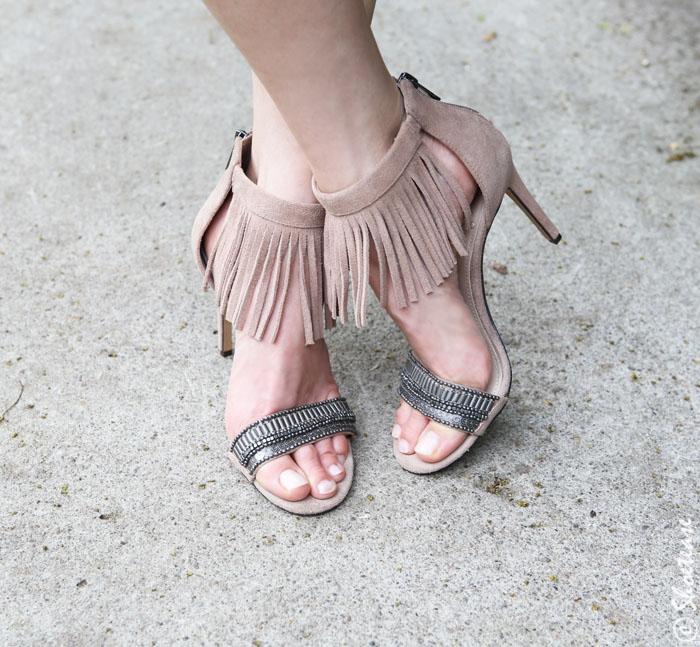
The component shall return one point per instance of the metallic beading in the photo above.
(451, 404)
(281, 433)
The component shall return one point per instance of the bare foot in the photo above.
(443, 333)
(268, 377)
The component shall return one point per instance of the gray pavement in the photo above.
(122, 521)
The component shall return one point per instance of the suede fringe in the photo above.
(416, 229)
(251, 266)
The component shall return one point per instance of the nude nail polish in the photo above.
(326, 487)
(428, 443)
(291, 479)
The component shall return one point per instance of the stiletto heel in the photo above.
(518, 193)
(412, 214)
(225, 331)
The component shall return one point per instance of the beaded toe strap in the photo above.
(450, 404)
(281, 433)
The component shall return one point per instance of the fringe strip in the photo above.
(416, 229)
(251, 265)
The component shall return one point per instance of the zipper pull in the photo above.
(405, 76)
(239, 133)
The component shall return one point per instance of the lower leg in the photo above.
(322, 67)
(277, 163)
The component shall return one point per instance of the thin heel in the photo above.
(518, 193)
(225, 337)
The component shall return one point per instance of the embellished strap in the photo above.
(451, 404)
(283, 432)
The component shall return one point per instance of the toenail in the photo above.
(396, 431)
(341, 459)
(291, 480)
(404, 447)
(428, 443)
(326, 487)
(335, 470)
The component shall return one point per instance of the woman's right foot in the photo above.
(267, 377)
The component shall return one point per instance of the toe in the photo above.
(322, 484)
(409, 430)
(329, 459)
(437, 441)
(403, 415)
(341, 447)
(284, 478)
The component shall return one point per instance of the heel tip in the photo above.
(556, 240)
(226, 353)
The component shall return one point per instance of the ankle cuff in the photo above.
(371, 188)
(410, 210)
(263, 241)
(274, 209)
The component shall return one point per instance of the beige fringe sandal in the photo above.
(406, 209)
(249, 269)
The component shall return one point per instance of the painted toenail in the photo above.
(335, 470)
(396, 431)
(326, 487)
(341, 459)
(428, 443)
(291, 480)
(404, 447)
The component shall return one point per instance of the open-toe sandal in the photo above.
(263, 238)
(416, 216)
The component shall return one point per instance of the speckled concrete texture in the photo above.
(122, 521)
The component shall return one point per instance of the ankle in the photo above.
(287, 176)
(363, 137)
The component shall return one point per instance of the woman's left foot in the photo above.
(444, 335)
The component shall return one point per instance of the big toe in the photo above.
(284, 478)
(437, 441)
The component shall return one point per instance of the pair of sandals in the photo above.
(415, 216)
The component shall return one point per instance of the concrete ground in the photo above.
(122, 521)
